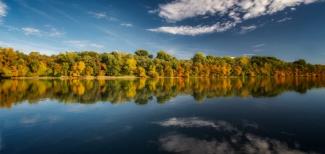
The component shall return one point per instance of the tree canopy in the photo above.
(142, 64)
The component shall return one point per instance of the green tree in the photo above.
(164, 56)
(142, 52)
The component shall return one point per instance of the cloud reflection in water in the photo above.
(237, 142)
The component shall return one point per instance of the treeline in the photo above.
(142, 64)
(141, 91)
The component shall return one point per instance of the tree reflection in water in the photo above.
(140, 91)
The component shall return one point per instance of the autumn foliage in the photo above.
(142, 64)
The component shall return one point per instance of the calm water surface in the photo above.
(193, 116)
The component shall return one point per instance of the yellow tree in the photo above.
(141, 72)
(132, 65)
(81, 66)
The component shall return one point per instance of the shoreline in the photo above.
(79, 78)
(135, 77)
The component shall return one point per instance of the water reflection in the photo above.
(233, 139)
(141, 91)
(197, 122)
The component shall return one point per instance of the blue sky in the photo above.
(288, 29)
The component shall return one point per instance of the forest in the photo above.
(143, 64)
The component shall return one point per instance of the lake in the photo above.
(167, 115)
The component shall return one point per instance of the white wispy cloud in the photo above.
(102, 15)
(49, 31)
(32, 9)
(259, 45)
(195, 30)
(3, 9)
(10, 28)
(53, 32)
(116, 36)
(153, 11)
(95, 45)
(77, 43)
(235, 11)
(98, 15)
(126, 24)
(82, 44)
(246, 29)
(284, 19)
(31, 31)
(181, 9)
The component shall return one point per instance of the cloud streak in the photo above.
(82, 44)
(3, 9)
(98, 15)
(31, 31)
(53, 32)
(126, 24)
(247, 29)
(102, 15)
(234, 11)
(284, 19)
(195, 30)
(49, 32)
(35, 10)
